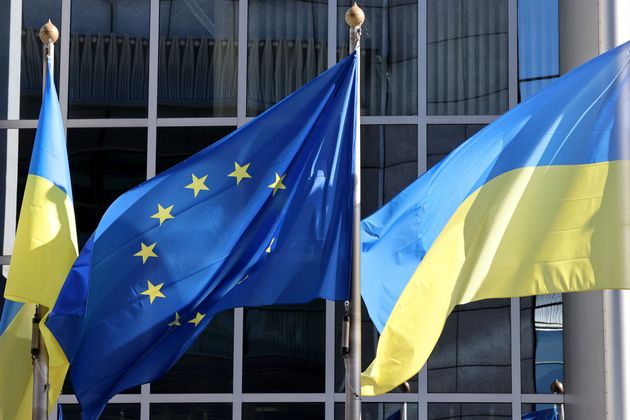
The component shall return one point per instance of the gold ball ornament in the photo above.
(49, 32)
(355, 16)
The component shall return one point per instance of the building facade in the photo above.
(143, 84)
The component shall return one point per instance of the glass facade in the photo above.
(145, 84)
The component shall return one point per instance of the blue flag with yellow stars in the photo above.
(263, 216)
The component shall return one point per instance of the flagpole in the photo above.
(48, 34)
(354, 19)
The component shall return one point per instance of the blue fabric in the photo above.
(548, 414)
(50, 159)
(231, 245)
(9, 311)
(572, 121)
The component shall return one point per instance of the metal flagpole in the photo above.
(354, 19)
(49, 34)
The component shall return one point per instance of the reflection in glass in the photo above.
(283, 52)
(34, 15)
(389, 163)
(111, 412)
(541, 343)
(473, 352)
(538, 45)
(467, 57)
(109, 58)
(174, 144)
(195, 411)
(197, 58)
(443, 139)
(104, 163)
(538, 411)
(381, 411)
(469, 411)
(369, 342)
(282, 411)
(389, 55)
(283, 348)
(206, 366)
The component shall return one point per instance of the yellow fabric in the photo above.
(45, 244)
(530, 231)
(16, 379)
(45, 248)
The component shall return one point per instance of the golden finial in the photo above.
(49, 32)
(355, 16)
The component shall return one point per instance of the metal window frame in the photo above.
(237, 398)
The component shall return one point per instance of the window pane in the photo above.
(111, 412)
(5, 28)
(109, 59)
(282, 411)
(283, 348)
(198, 58)
(381, 411)
(389, 55)
(456, 411)
(34, 15)
(473, 352)
(286, 48)
(541, 343)
(538, 411)
(175, 144)
(104, 163)
(538, 51)
(467, 57)
(195, 411)
(443, 139)
(206, 366)
(389, 163)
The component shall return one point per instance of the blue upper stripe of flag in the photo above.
(50, 155)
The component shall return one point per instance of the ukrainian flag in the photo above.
(538, 202)
(45, 248)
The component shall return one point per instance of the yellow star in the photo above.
(153, 291)
(240, 172)
(197, 184)
(176, 322)
(146, 252)
(268, 250)
(278, 185)
(163, 214)
(197, 319)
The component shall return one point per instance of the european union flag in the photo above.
(264, 216)
(548, 414)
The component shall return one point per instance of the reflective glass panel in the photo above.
(206, 366)
(195, 411)
(197, 58)
(104, 163)
(457, 411)
(283, 349)
(381, 411)
(389, 55)
(283, 411)
(542, 360)
(543, 411)
(5, 135)
(467, 57)
(538, 45)
(443, 139)
(34, 15)
(175, 144)
(109, 59)
(473, 352)
(389, 162)
(283, 52)
(5, 29)
(111, 412)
